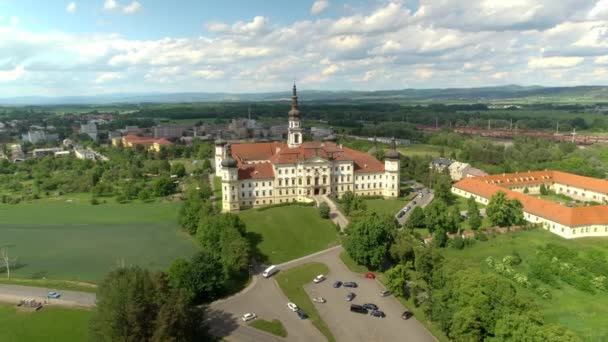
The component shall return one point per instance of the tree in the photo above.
(454, 219)
(473, 214)
(224, 237)
(201, 279)
(436, 216)
(503, 212)
(402, 250)
(6, 260)
(351, 203)
(440, 238)
(324, 210)
(369, 238)
(178, 169)
(543, 190)
(179, 321)
(163, 186)
(443, 188)
(416, 219)
(397, 278)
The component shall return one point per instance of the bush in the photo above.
(94, 201)
(324, 210)
(457, 242)
(481, 236)
(278, 205)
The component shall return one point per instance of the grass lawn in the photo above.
(83, 242)
(47, 324)
(423, 149)
(286, 233)
(274, 327)
(388, 206)
(583, 313)
(292, 283)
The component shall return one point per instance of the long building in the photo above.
(259, 174)
(561, 219)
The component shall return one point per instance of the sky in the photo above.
(94, 47)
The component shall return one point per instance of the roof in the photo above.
(572, 217)
(442, 162)
(134, 139)
(279, 153)
(473, 172)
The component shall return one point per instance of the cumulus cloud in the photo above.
(113, 5)
(13, 74)
(14, 20)
(554, 62)
(319, 6)
(133, 7)
(107, 77)
(71, 7)
(209, 74)
(110, 4)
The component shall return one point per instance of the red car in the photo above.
(370, 276)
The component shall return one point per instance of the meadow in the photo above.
(290, 232)
(581, 312)
(47, 324)
(83, 242)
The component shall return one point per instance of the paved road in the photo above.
(265, 298)
(14, 293)
(335, 215)
(427, 197)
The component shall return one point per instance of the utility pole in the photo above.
(489, 125)
(511, 125)
(557, 129)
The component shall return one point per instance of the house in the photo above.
(89, 129)
(440, 164)
(566, 221)
(82, 153)
(42, 152)
(130, 141)
(62, 154)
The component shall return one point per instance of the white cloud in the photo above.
(424, 73)
(209, 74)
(554, 62)
(600, 10)
(601, 60)
(330, 70)
(133, 7)
(71, 7)
(14, 20)
(13, 74)
(110, 4)
(319, 6)
(499, 75)
(107, 77)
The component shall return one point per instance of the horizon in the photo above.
(102, 47)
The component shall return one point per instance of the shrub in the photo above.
(324, 210)
(457, 242)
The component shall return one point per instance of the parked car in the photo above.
(248, 317)
(302, 314)
(407, 314)
(292, 307)
(358, 309)
(270, 271)
(319, 279)
(350, 296)
(319, 300)
(350, 284)
(401, 213)
(377, 313)
(337, 284)
(385, 293)
(53, 295)
(370, 276)
(414, 202)
(370, 306)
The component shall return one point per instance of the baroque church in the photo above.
(266, 173)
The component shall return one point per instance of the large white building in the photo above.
(258, 174)
(591, 219)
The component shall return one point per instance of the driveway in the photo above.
(14, 293)
(427, 197)
(265, 298)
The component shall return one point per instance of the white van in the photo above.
(270, 271)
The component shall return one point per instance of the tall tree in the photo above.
(397, 278)
(443, 188)
(416, 219)
(503, 212)
(436, 216)
(473, 214)
(369, 239)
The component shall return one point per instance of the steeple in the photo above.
(295, 111)
(294, 130)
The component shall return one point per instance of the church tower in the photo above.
(391, 171)
(294, 130)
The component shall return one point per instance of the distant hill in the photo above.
(483, 94)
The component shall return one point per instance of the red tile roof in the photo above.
(571, 217)
(134, 139)
(279, 153)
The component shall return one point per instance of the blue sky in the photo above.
(58, 48)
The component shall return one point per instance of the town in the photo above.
(315, 171)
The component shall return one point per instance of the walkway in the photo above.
(335, 215)
(14, 293)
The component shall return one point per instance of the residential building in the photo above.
(42, 152)
(89, 129)
(168, 131)
(84, 153)
(265, 173)
(62, 154)
(130, 141)
(565, 220)
(440, 164)
(17, 154)
(38, 136)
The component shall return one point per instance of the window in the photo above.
(242, 194)
(249, 195)
(264, 193)
(270, 193)
(280, 182)
(293, 171)
(250, 185)
(256, 194)
(242, 185)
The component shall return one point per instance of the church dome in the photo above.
(228, 161)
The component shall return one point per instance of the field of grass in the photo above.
(274, 327)
(83, 242)
(583, 313)
(292, 283)
(423, 149)
(387, 206)
(47, 324)
(286, 233)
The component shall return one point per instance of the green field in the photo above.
(47, 324)
(286, 233)
(83, 242)
(423, 149)
(274, 327)
(583, 313)
(292, 283)
(387, 206)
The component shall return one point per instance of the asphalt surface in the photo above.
(264, 298)
(427, 197)
(14, 293)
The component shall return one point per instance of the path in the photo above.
(14, 293)
(427, 197)
(336, 216)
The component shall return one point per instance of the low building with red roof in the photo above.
(562, 219)
(266, 173)
(131, 140)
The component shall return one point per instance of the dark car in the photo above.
(377, 313)
(358, 309)
(407, 314)
(302, 314)
(350, 284)
(414, 202)
(370, 306)
(337, 284)
(401, 213)
(350, 296)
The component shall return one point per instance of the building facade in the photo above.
(589, 218)
(266, 173)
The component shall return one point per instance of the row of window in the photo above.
(368, 186)
(324, 169)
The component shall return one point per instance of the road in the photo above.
(427, 197)
(14, 293)
(265, 298)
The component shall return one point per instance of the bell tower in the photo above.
(294, 130)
